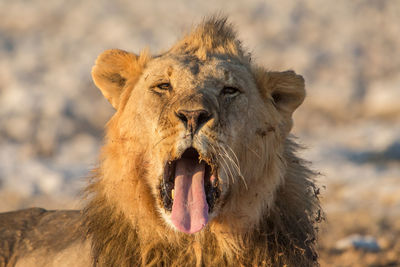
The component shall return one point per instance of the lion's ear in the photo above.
(112, 70)
(285, 88)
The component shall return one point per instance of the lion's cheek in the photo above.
(261, 165)
(233, 119)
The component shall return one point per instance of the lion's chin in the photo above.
(189, 191)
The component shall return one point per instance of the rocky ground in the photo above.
(52, 117)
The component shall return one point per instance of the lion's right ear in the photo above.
(113, 69)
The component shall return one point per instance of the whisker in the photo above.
(235, 164)
(223, 156)
(237, 160)
(222, 165)
(255, 153)
(226, 163)
(159, 141)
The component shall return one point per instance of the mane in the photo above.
(286, 234)
(214, 36)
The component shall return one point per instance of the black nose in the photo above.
(193, 119)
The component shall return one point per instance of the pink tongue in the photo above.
(190, 209)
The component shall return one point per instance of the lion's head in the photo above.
(198, 140)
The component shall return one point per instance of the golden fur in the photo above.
(268, 208)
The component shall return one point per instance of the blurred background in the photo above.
(52, 117)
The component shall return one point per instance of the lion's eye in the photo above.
(231, 91)
(164, 86)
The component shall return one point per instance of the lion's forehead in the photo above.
(190, 71)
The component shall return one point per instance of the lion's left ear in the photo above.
(113, 69)
(285, 88)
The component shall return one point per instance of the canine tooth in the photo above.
(172, 193)
(213, 181)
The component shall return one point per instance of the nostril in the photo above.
(204, 116)
(181, 115)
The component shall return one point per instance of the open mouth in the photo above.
(189, 190)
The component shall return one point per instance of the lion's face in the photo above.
(208, 130)
(197, 120)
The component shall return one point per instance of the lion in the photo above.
(198, 167)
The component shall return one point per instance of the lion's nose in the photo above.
(193, 119)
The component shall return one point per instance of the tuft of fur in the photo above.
(215, 36)
(121, 218)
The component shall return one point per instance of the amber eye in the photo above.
(230, 91)
(164, 86)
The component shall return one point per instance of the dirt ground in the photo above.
(52, 116)
(360, 193)
(384, 228)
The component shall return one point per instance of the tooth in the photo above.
(172, 193)
(213, 180)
